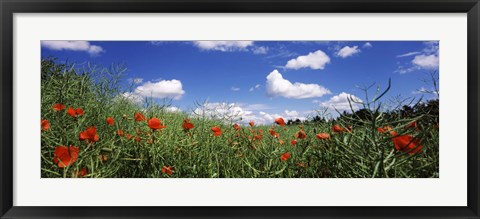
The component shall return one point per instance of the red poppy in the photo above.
(138, 139)
(412, 125)
(301, 134)
(293, 142)
(251, 123)
(45, 125)
(155, 124)
(216, 131)
(187, 125)
(167, 169)
(128, 136)
(407, 143)
(337, 129)
(280, 121)
(285, 156)
(272, 132)
(322, 136)
(58, 107)
(65, 156)
(71, 112)
(139, 117)
(110, 121)
(79, 111)
(384, 129)
(281, 142)
(236, 126)
(119, 133)
(81, 173)
(90, 135)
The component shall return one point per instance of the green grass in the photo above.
(197, 153)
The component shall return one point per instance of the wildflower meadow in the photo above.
(91, 129)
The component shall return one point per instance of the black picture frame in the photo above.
(9, 7)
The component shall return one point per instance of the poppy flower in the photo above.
(257, 137)
(281, 142)
(79, 111)
(285, 156)
(293, 142)
(128, 136)
(90, 135)
(81, 173)
(251, 123)
(45, 125)
(280, 121)
(236, 126)
(337, 129)
(322, 136)
(301, 134)
(65, 156)
(216, 131)
(58, 107)
(272, 132)
(110, 121)
(407, 143)
(384, 129)
(138, 139)
(139, 117)
(71, 112)
(187, 125)
(167, 169)
(155, 124)
(119, 133)
(412, 125)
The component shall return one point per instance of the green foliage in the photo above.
(362, 152)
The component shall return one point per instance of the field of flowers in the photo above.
(88, 130)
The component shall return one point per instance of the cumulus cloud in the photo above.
(235, 89)
(83, 46)
(161, 89)
(341, 102)
(315, 60)
(242, 114)
(260, 50)
(348, 51)
(223, 46)
(276, 85)
(426, 61)
(367, 45)
(173, 109)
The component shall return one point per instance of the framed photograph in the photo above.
(201, 109)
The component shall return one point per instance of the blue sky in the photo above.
(260, 80)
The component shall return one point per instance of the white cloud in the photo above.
(84, 46)
(348, 51)
(315, 60)
(426, 61)
(292, 113)
(223, 46)
(276, 85)
(408, 54)
(235, 89)
(341, 102)
(260, 50)
(161, 89)
(367, 45)
(255, 87)
(173, 109)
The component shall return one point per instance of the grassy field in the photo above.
(89, 130)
